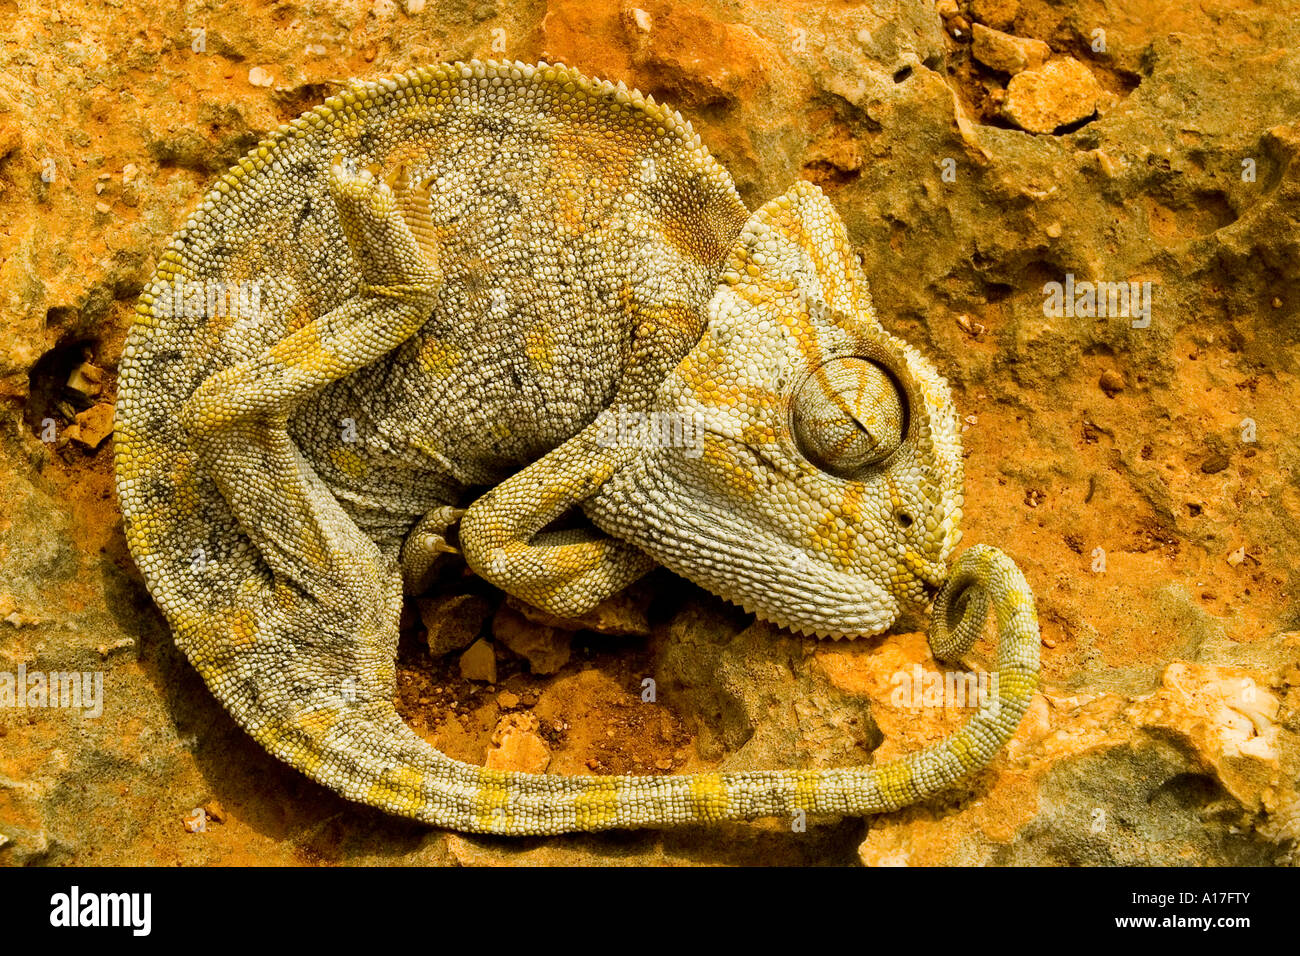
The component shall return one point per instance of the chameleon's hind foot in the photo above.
(386, 220)
(426, 547)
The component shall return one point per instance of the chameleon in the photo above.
(398, 329)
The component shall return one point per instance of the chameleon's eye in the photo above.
(848, 415)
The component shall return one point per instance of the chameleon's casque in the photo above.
(453, 279)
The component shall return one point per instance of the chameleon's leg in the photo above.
(425, 544)
(400, 283)
(304, 656)
(236, 418)
(565, 572)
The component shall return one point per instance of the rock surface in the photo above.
(1141, 467)
(452, 622)
(479, 663)
(545, 648)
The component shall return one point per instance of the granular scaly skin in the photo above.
(456, 279)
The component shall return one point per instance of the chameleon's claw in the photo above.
(396, 177)
(436, 542)
(425, 544)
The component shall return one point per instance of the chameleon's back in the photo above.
(537, 174)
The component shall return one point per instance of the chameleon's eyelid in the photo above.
(831, 427)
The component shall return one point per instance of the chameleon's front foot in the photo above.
(564, 572)
(386, 221)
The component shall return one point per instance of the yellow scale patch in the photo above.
(436, 358)
(539, 346)
(914, 563)
(963, 748)
(686, 242)
(669, 316)
(759, 433)
(349, 129)
(1014, 687)
(348, 461)
(718, 455)
(598, 802)
(752, 294)
(301, 314)
(184, 480)
(491, 798)
(570, 211)
(316, 723)
(851, 505)
(708, 795)
(1011, 604)
(830, 536)
(836, 295)
(241, 625)
(399, 788)
(806, 785)
(895, 782)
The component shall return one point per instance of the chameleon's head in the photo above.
(807, 464)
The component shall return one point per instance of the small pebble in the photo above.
(1111, 382)
(93, 425)
(479, 663)
(1214, 464)
(1006, 53)
(1043, 100)
(1000, 14)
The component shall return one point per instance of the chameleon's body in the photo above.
(536, 248)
